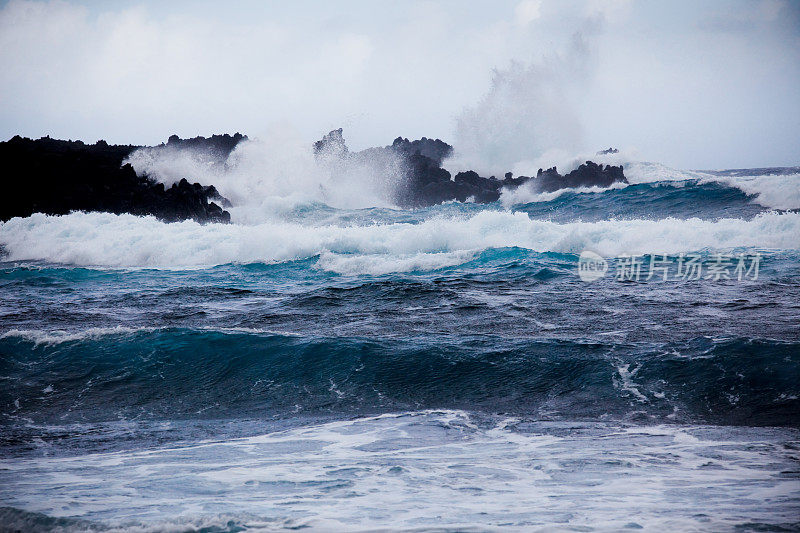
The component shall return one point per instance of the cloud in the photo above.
(609, 10)
(527, 11)
(767, 16)
(137, 75)
(701, 84)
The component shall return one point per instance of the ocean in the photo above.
(439, 369)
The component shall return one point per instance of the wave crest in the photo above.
(102, 239)
(156, 372)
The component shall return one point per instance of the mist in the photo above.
(528, 112)
(268, 177)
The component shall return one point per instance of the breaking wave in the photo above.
(107, 240)
(772, 191)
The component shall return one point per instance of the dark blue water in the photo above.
(355, 369)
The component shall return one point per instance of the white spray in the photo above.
(275, 173)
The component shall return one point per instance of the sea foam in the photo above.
(107, 240)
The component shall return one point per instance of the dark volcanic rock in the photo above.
(608, 151)
(56, 177)
(433, 149)
(219, 146)
(424, 182)
(332, 145)
(587, 175)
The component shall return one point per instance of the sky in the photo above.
(696, 85)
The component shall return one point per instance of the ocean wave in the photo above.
(52, 337)
(709, 200)
(102, 239)
(650, 172)
(772, 191)
(384, 264)
(180, 373)
(526, 193)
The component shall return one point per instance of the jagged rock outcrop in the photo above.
(219, 146)
(433, 149)
(56, 177)
(608, 151)
(424, 182)
(587, 175)
(332, 145)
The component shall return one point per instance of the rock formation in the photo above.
(56, 177)
(424, 182)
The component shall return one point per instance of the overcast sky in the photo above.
(690, 84)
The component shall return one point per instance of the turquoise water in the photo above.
(380, 368)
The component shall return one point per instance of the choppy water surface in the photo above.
(377, 368)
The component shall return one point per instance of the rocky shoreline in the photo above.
(57, 177)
